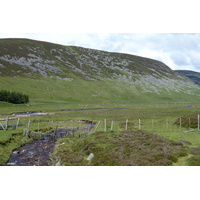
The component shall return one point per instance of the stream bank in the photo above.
(37, 152)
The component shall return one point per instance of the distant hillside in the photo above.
(194, 76)
(23, 57)
(51, 72)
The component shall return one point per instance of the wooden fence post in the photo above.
(38, 127)
(104, 125)
(189, 124)
(152, 125)
(139, 124)
(28, 128)
(6, 126)
(96, 126)
(180, 124)
(111, 128)
(198, 123)
(2, 127)
(17, 123)
(126, 125)
(167, 125)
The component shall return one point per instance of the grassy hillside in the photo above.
(60, 79)
(56, 94)
(56, 76)
(194, 76)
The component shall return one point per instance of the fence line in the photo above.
(154, 125)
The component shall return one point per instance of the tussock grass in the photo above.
(134, 148)
(143, 111)
(194, 159)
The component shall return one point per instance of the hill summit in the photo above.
(83, 68)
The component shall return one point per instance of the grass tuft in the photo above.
(128, 148)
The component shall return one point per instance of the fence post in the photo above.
(180, 124)
(2, 127)
(38, 127)
(28, 128)
(111, 128)
(96, 126)
(152, 125)
(189, 124)
(126, 125)
(198, 123)
(139, 124)
(6, 126)
(167, 124)
(104, 125)
(17, 123)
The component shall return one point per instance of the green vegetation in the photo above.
(194, 76)
(168, 146)
(59, 80)
(188, 121)
(13, 97)
(136, 148)
(10, 140)
(50, 94)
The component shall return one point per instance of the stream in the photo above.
(37, 152)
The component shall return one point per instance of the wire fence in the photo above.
(32, 128)
(151, 125)
(83, 128)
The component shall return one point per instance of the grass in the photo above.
(124, 99)
(13, 139)
(9, 141)
(145, 111)
(49, 94)
(134, 148)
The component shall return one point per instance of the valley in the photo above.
(71, 84)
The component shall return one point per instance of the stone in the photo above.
(90, 156)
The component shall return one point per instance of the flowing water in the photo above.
(37, 152)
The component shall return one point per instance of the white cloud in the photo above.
(178, 51)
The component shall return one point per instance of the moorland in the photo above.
(146, 113)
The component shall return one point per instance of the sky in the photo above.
(178, 51)
(163, 30)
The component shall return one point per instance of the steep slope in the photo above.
(194, 76)
(79, 74)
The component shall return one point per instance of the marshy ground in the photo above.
(160, 144)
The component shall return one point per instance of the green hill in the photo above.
(193, 76)
(67, 74)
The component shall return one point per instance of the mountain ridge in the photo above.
(29, 53)
(192, 75)
(75, 66)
